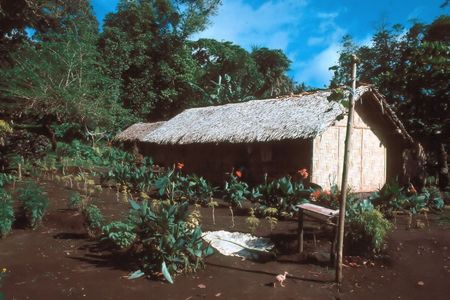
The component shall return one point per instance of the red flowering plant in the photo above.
(283, 194)
(303, 173)
(236, 191)
(327, 198)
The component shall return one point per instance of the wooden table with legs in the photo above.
(319, 214)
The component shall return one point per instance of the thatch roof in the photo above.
(289, 118)
(137, 132)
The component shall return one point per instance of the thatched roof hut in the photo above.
(279, 136)
(289, 118)
(137, 132)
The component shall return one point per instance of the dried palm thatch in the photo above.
(136, 132)
(289, 118)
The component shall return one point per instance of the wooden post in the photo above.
(300, 231)
(343, 196)
(19, 171)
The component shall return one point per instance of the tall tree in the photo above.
(58, 76)
(226, 72)
(273, 65)
(413, 71)
(144, 43)
(15, 17)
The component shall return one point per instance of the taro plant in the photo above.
(5, 179)
(121, 234)
(127, 173)
(435, 200)
(6, 213)
(166, 241)
(75, 200)
(236, 192)
(93, 220)
(196, 189)
(252, 221)
(368, 228)
(283, 194)
(34, 203)
(3, 275)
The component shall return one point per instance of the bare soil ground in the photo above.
(58, 261)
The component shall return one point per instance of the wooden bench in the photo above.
(321, 215)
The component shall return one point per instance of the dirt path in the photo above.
(56, 261)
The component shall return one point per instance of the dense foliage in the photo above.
(166, 241)
(411, 68)
(34, 203)
(6, 212)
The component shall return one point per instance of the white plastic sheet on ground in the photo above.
(238, 244)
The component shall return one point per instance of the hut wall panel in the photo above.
(326, 158)
(374, 162)
(367, 157)
(356, 155)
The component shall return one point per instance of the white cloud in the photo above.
(273, 24)
(290, 25)
(317, 68)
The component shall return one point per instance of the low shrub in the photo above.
(121, 234)
(140, 177)
(165, 239)
(93, 220)
(75, 200)
(435, 199)
(392, 197)
(236, 191)
(196, 189)
(34, 203)
(367, 227)
(5, 179)
(283, 194)
(367, 231)
(6, 213)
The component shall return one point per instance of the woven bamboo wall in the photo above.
(367, 160)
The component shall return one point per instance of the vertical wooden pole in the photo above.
(343, 196)
(300, 231)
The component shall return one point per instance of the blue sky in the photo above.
(308, 31)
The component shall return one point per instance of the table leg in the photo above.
(300, 231)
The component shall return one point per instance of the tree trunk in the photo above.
(443, 166)
(51, 135)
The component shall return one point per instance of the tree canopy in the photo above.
(412, 69)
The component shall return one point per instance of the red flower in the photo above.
(315, 195)
(180, 165)
(412, 189)
(303, 173)
(238, 174)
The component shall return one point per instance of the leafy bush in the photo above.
(368, 230)
(236, 191)
(6, 213)
(367, 227)
(435, 200)
(5, 179)
(134, 177)
(83, 155)
(167, 243)
(34, 203)
(392, 197)
(93, 220)
(196, 189)
(282, 194)
(75, 200)
(121, 234)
